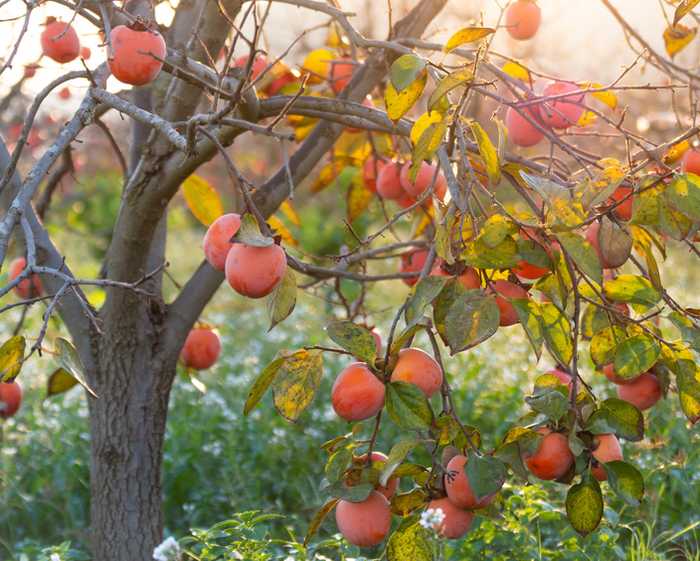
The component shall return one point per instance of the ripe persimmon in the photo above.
(27, 288)
(341, 73)
(469, 278)
(364, 524)
(357, 394)
(257, 68)
(217, 241)
(10, 398)
(606, 449)
(389, 181)
(523, 19)
(456, 521)
(624, 210)
(415, 366)
(136, 54)
(561, 113)
(522, 132)
(255, 271)
(413, 262)
(59, 41)
(553, 457)
(370, 171)
(505, 291)
(201, 349)
(458, 488)
(643, 392)
(424, 179)
(690, 163)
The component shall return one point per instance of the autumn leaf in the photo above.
(202, 199)
(677, 38)
(467, 35)
(399, 103)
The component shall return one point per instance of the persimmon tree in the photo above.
(513, 222)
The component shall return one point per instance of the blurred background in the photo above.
(218, 462)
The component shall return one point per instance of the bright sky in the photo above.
(578, 39)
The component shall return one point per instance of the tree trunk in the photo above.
(127, 426)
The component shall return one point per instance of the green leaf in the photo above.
(584, 506)
(407, 406)
(529, 315)
(467, 35)
(353, 493)
(405, 70)
(67, 357)
(337, 463)
(636, 355)
(495, 230)
(11, 358)
(550, 402)
(626, 481)
(262, 382)
(410, 543)
(465, 318)
(296, 383)
(202, 199)
(488, 153)
(397, 455)
(557, 332)
(60, 382)
(583, 254)
(633, 289)
(486, 475)
(249, 233)
(502, 256)
(684, 194)
(458, 78)
(318, 518)
(355, 339)
(604, 343)
(280, 304)
(619, 417)
(425, 291)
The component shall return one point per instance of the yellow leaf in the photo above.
(288, 210)
(449, 83)
(683, 9)
(516, 70)
(587, 119)
(399, 103)
(423, 122)
(675, 152)
(11, 358)
(358, 198)
(296, 383)
(59, 382)
(335, 37)
(202, 199)
(488, 153)
(427, 145)
(607, 97)
(327, 174)
(426, 220)
(467, 35)
(353, 147)
(300, 133)
(677, 38)
(280, 229)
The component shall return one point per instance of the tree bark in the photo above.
(127, 430)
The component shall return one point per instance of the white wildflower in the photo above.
(169, 550)
(432, 518)
(54, 557)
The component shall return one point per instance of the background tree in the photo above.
(520, 239)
